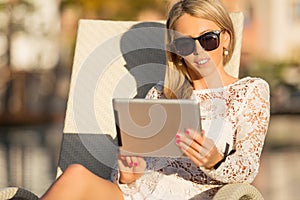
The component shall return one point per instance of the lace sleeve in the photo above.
(253, 120)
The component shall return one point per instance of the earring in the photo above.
(225, 52)
(180, 62)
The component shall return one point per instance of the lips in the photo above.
(202, 61)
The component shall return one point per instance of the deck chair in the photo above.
(116, 59)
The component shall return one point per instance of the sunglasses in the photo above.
(186, 45)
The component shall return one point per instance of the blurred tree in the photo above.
(28, 52)
(116, 9)
(73, 10)
(12, 23)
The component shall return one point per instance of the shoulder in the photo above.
(250, 83)
(253, 86)
(156, 92)
(257, 83)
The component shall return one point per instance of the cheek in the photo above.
(189, 59)
(217, 56)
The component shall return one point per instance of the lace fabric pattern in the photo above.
(236, 115)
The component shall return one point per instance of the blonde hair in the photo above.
(178, 83)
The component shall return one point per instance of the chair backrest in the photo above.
(113, 59)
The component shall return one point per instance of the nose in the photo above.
(198, 48)
(195, 53)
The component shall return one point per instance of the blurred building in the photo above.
(272, 29)
(32, 96)
(30, 55)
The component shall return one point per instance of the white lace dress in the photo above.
(236, 117)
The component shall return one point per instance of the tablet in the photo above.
(148, 127)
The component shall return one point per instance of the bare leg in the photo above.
(77, 182)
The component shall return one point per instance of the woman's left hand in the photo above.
(200, 149)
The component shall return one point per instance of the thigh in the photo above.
(77, 182)
(99, 188)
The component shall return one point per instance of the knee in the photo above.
(76, 168)
(76, 171)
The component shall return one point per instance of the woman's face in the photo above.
(201, 62)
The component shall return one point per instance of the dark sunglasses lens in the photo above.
(209, 41)
(184, 46)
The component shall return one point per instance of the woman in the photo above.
(235, 116)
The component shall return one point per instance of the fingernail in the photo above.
(135, 164)
(187, 131)
(130, 164)
(177, 136)
(177, 141)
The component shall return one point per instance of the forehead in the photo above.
(194, 26)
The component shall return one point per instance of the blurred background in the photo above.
(37, 41)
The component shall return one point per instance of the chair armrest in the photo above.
(235, 191)
(16, 193)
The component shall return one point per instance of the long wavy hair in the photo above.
(178, 83)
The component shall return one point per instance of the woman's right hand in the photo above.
(131, 168)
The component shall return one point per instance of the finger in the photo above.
(123, 167)
(191, 143)
(187, 141)
(193, 147)
(134, 161)
(184, 138)
(121, 164)
(198, 162)
(194, 156)
(141, 161)
(129, 161)
(141, 165)
(121, 157)
(208, 144)
(191, 151)
(194, 135)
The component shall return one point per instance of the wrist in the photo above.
(218, 159)
(129, 180)
(217, 164)
(225, 155)
(125, 181)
